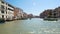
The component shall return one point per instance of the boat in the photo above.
(2, 21)
(51, 19)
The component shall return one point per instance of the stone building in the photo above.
(46, 14)
(18, 13)
(9, 12)
(57, 12)
(6, 10)
(51, 13)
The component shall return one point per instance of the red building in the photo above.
(16, 11)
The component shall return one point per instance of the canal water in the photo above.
(33, 26)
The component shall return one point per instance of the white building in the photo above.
(6, 10)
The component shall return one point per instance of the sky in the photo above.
(34, 7)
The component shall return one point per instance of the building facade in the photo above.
(6, 10)
(3, 9)
(9, 12)
(24, 15)
(18, 13)
(51, 13)
(46, 14)
(57, 12)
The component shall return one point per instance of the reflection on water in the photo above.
(33, 26)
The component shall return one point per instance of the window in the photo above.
(6, 12)
(2, 7)
(6, 16)
(2, 2)
(2, 11)
(10, 9)
(6, 8)
(10, 5)
(2, 16)
(54, 11)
